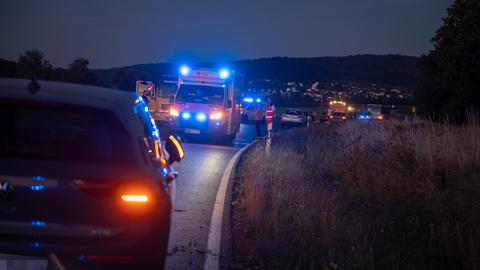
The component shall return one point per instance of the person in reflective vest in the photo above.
(269, 115)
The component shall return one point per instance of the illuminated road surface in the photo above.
(196, 189)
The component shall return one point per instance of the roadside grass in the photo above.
(390, 195)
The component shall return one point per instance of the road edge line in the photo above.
(212, 261)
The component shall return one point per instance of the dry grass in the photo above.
(367, 196)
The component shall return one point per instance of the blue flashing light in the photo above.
(217, 124)
(184, 70)
(248, 100)
(35, 244)
(37, 187)
(38, 223)
(186, 115)
(258, 100)
(145, 109)
(201, 117)
(224, 73)
(38, 178)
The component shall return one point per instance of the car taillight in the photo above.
(134, 198)
(343, 117)
(134, 191)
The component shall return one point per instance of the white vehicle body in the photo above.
(294, 117)
(207, 103)
(376, 111)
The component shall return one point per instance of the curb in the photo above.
(212, 261)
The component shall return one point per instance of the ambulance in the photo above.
(207, 103)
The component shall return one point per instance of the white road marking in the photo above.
(212, 261)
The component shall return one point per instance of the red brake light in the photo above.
(134, 198)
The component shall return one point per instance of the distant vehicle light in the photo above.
(201, 117)
(37, 187)
(38, 223)
(135, 198)
(248, 100)
(184, 70)
(216, 116)
(174, 112)
(224, 74)
(186, 115)
(258, 100)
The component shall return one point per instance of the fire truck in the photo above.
(207, 103)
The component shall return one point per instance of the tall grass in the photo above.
(365, 195)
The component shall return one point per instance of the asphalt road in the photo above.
(196, 188)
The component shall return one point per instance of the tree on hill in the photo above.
(450, 80)
(32, 63)
(78, 72)
(8, 69)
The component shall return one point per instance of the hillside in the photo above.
(379, 69)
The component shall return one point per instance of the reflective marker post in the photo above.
(269, 122)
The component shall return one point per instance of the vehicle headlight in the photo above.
(174, 112)
(216, 116)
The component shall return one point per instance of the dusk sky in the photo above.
(113, 33)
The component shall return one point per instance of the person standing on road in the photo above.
(269, 116)
(258, 119)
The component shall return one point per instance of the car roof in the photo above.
(66, 93)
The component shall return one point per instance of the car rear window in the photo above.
(294, 112)
(338, 114)
(60, 132)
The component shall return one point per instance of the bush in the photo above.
(375, 195)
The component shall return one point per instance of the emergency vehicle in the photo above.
(207, 103)
(337, 106)
(376, 111)
(249, 107)
(158, 97)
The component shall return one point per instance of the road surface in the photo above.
(196, 189)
